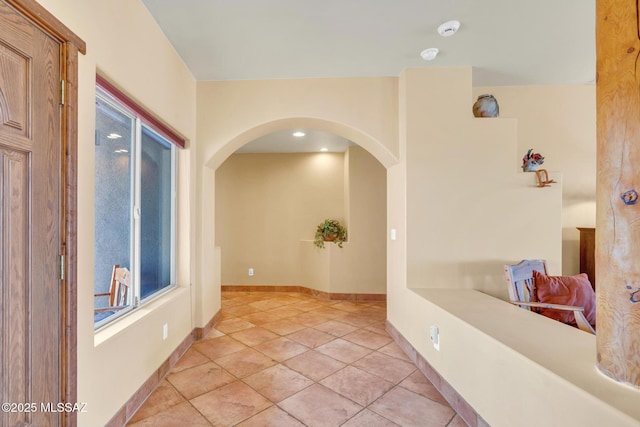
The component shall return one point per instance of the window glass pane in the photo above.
(113, 148)
(156, 210)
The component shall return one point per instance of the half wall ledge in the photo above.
(514, 367)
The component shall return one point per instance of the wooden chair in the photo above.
(118, 290)
(521, 288)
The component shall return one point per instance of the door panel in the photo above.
(14, 67)
(16, 362)
(30, 160)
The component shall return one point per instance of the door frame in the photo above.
(70, 46)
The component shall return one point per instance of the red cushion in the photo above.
(566, 290)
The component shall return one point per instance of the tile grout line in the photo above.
(372, 306)
(311, 349)
(364, 407)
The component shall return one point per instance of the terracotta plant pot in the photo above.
(330, 237)
(330, 230)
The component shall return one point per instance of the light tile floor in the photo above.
(287, 359)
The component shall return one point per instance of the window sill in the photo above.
(110, 330)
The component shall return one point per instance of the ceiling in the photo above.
(285, 142)
(507, 42)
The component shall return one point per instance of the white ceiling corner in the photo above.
(507, 42)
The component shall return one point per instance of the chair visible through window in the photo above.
(523, 293)
(118, 290)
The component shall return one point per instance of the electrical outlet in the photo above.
(250, 271)
(165, 331)
(434, 337)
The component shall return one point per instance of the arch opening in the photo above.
(370, 144)
(268, 203)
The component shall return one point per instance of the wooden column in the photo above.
(618, 186)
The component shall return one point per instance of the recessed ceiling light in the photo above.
(429, 54)
(114, 136)
(449, 28)
(299, 134)
(324, 149)
(122, 150)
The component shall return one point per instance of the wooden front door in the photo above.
(30, 221)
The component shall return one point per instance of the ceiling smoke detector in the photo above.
(429, 54)
(449, 28)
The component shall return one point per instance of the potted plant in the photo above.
(330, 230)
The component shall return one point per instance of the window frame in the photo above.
(141, 118)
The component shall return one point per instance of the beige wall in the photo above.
(361, 267)
(470, 208)
(456, 196)
(362, 110)
(233, 113)
(458, 219)
(266, 204)
(560, 123)
(126, 46)
(267, 209)
(405, 123)
(539, 372)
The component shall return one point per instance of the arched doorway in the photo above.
(272, 192)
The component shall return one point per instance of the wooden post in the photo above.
(618, 186)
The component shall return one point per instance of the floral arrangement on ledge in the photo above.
(531, 161)
(330, 230)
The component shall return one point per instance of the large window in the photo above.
(134, 207)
